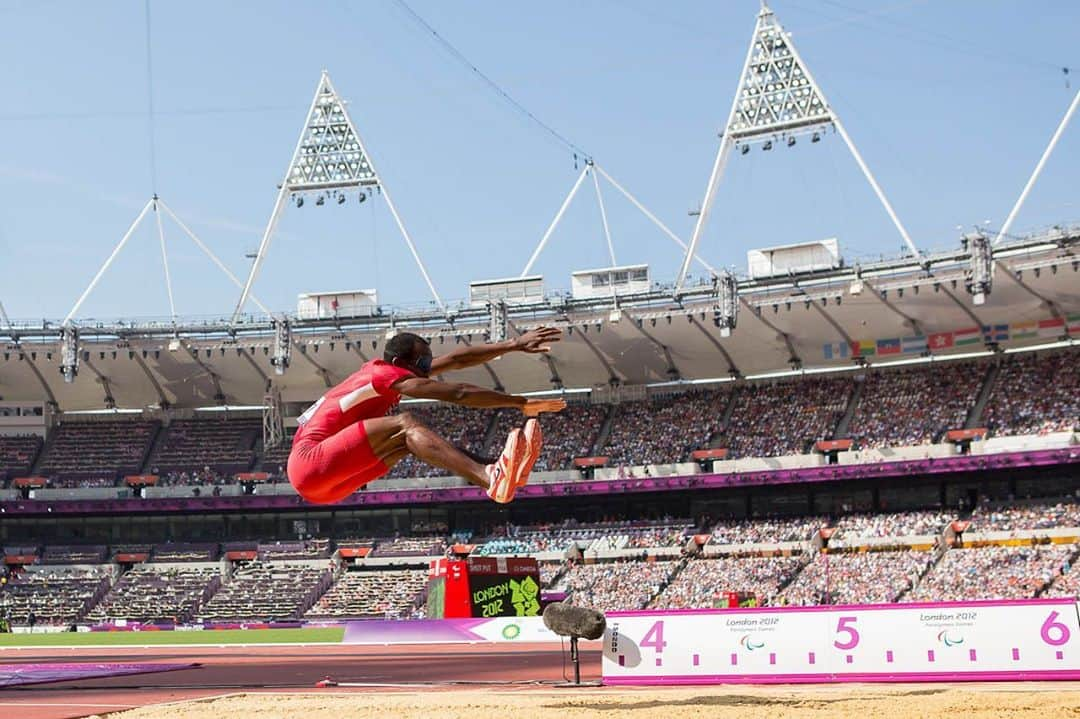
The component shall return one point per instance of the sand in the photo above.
(982, 701)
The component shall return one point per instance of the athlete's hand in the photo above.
(534, 407)
(537, 340)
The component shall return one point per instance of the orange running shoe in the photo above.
(534, 439)
(504, 476)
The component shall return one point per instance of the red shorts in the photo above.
(330, 470)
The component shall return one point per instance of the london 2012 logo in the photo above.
(950, 638)
(511, 632)
(750, 643)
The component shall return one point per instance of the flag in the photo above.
(940, 340)
(996, 333)
(863, 348)
(836, 350)
(889, 347)
(1024, 330)
(1072, 324)
(914, 344)
(969, 336)
(1052, 328)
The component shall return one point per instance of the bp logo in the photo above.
(950, 638)
(750, 643)
(511, 631)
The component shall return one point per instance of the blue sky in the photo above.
(951, 103)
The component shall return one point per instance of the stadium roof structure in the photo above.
(889, 311)
(987, 295)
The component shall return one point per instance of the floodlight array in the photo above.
(330, 153)
(776, 92)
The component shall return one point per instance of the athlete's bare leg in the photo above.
(393, 437)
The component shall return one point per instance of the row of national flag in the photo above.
(1049, 329)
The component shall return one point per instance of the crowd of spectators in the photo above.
(300, 549)
(261, 592)
(1036, 515)
(226, 446)
(704, 583)
(54, 595)
(365, 595)
(92, 450)
(777, 418)
(766, 530)
(569, 434)
(857, 577)
(914, 406)
(664, 429)
(1067, 583)
(1036, 394)
(17, 454)
(892, 524)
(617, 586)
(1012, 572)
(462, 427)
(428, 546)
(157, 593)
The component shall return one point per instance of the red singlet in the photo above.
(331, 456)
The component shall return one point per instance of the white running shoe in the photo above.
(504, 476)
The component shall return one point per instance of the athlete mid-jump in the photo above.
(346, 439)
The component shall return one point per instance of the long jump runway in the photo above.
(256, 668)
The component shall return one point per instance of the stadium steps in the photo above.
(941, 550)
(718, 438)
(43, 452)
(853, 402)
(605, 430)
(155, 446)
(976, 412)
(489, 434)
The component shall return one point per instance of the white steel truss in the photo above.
(329, 158)
(598, 172)
(1038, 168)
(158, 207)
(776, 96)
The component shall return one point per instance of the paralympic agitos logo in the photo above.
(750, 643)
(950, 638)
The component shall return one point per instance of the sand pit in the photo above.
(827, 702)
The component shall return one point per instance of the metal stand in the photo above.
(575, 659)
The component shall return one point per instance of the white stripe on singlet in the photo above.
(357, 396)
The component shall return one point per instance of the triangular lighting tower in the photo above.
(777, 97)
(329, 160)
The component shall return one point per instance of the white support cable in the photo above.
(260, 255)
(645, 211)
(555, 222)
(603, 220)
(877, 188)
(412, 247)
(835, 119)
(164, 258)
(706, 206)
(108, 262)
(209, 253)
(1038, 169)
(4, 316)
(268, 234)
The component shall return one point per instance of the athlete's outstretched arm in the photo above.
(533, 341)
(472, 396)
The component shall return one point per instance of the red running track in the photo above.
(229, 669)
